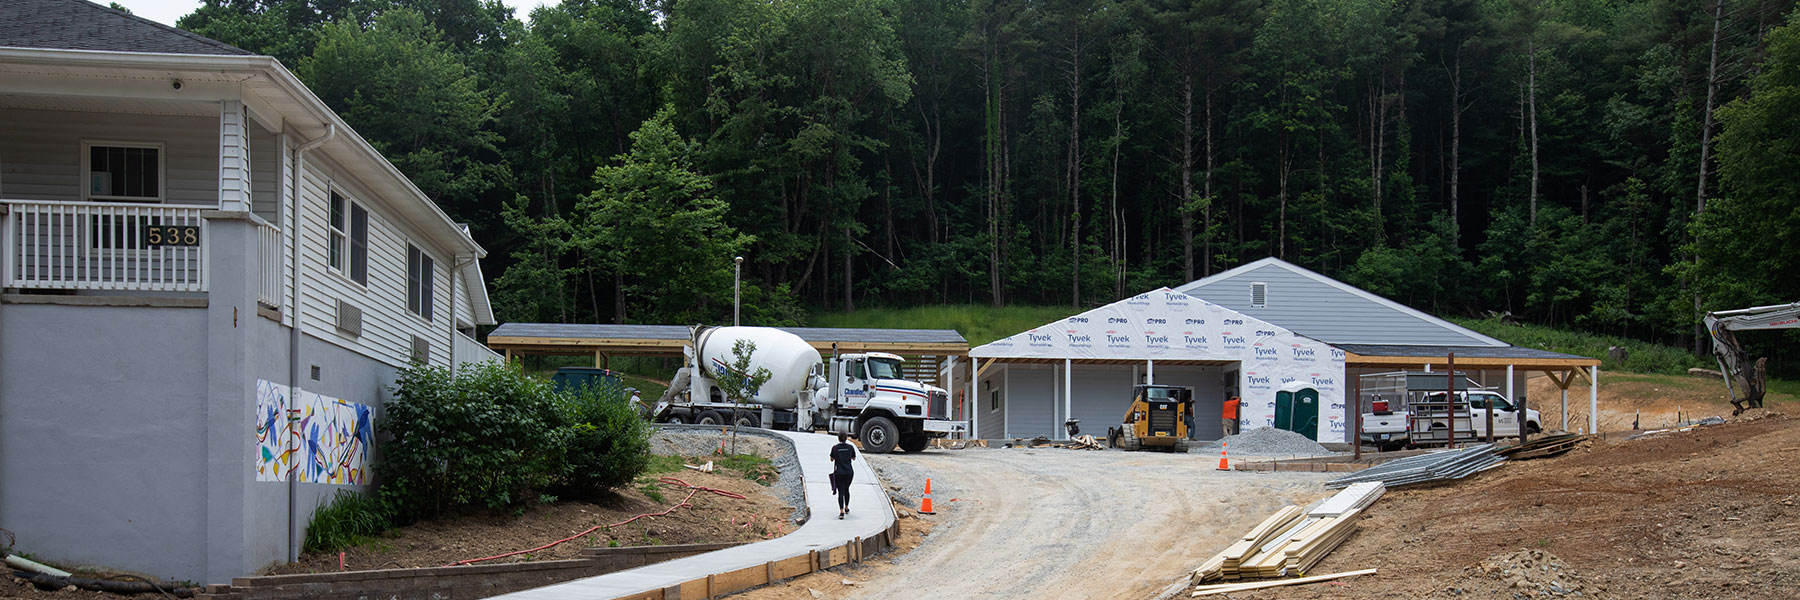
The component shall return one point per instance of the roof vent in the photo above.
(1259, 294)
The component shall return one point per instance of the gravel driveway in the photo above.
(1052, 523)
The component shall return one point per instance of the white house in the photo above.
(210, 281)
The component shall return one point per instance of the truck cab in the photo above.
(882, 408)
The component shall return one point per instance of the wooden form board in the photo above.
(1212, 590)
(1287, 543)
(731, 582)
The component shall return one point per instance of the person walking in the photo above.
(1229, 420)
(843, 455)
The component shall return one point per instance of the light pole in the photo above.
(737, 267)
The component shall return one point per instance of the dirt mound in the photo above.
(1704, 513)
(1534, 573)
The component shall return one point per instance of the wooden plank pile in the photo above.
(1543, 447)
(1292, 541)
(1086, 442)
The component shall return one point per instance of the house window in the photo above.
(122, 171)
(418, 282)
(349, 239)
(993, 400)
(1259, 295)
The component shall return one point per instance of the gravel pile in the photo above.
(903, 480)
(674, 439)
(1522, 575)
(1266, 441)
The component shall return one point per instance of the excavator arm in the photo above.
(1743, 379)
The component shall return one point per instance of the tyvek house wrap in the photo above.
(1168, 325)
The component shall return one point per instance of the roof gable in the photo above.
(1160, 324)
(1329, 310)
(83, 25)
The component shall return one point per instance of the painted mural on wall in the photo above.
(318, 439)
(1169, 325)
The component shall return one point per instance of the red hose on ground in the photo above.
(693, 490)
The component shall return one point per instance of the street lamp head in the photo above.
(737, 259)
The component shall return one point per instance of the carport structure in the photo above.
(927, 348)
(1562, 369)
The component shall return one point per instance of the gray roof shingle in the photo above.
(83, 25)
(1461, 351)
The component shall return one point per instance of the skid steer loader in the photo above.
(1160, 417)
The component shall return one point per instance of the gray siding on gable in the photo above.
(1324, 312)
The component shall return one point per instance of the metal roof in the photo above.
(655, 340)
(1473, 356)
(82, 25)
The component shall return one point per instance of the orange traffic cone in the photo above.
(1223, 464)
(925, 505)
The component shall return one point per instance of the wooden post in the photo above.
(1450, 399)
(1356, 411)
(599, 360)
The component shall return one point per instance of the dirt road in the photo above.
(1053, 523)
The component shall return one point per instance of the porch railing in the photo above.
(103, 246)
(268, 257)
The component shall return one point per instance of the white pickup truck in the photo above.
(1392, 429)
(1506, 416)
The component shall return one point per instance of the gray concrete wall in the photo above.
(103, 435)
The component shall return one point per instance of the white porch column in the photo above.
(973, 404)
(1150, 371)
(1509, 389)
(1565, 405)
(950, 385)
(1068, 389)
(234, 157)
(1594, 399)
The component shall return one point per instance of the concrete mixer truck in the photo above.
(862, 394)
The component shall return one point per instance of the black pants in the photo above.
(841, 482)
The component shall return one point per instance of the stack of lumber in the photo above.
(1542, 447)
(1356, 497)
(1292, 541)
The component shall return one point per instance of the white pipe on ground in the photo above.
(34, 566)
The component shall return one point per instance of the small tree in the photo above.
(739, 383)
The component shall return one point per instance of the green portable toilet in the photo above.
(1297, 409)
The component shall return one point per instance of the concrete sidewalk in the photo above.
(823, 541)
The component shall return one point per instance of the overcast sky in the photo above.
(167, 11)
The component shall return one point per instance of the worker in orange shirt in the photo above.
(1230, 420)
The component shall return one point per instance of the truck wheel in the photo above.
(675, 418)
(879, 435)
(1532, 427)
(746, 419)
(914, 443)
(710, 417)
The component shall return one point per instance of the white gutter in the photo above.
(293, 491)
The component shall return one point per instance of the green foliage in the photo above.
(347, 519)
(742, 384)
(752, 467)
(485, 436)
(657, 464)
(609, 445)
(1748, 241)
(1643, 357)
(489, 436)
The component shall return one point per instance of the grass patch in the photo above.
(752, 467)
(978, 324)
(664, 464)
(1643, 357)
(348, 519)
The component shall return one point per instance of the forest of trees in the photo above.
(1608, 165)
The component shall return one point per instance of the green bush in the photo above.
(487, 435)
(609, 444)
(345, 521)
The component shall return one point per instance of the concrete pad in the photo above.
(870, 515)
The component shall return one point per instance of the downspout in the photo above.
(456, 265)
(293, 491)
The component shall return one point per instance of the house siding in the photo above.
(40, 152)
(1323, 312)
(387, 325)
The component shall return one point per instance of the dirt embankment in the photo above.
(1708, 513)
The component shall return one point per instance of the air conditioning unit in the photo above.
(349, 318)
